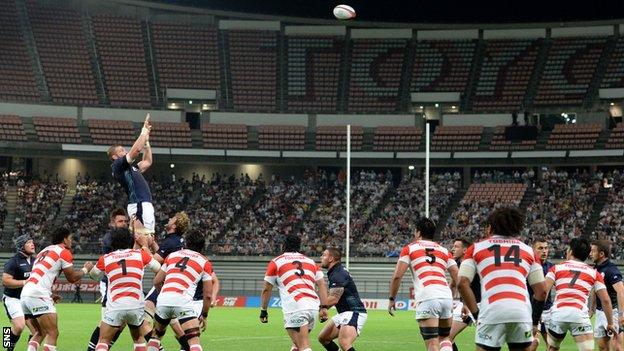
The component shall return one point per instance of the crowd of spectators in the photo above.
(504, 176)
(394, 226)
(38, 204)
(611, 223)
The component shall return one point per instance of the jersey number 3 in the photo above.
(300, 271)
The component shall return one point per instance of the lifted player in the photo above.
(36, 297)
(296, 276)
(130, 176)
(429, 263)
(348, 323)
(16, 271)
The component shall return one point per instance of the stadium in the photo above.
(273, 119)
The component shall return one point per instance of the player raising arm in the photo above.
(295, 275)
(124, 268)
(504, 264)
(573, 281)
(429, 262)
(36, 297)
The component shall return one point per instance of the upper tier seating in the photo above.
(442, 65)
(397, 138)
(456, 138)
(111, 132)
(574, 136)
(335, 138)
(224, 136)
(500, 143)
(281, 137)
(616, 139)
(171, 134)
(57, 130)
(614, 76)
(12, 128)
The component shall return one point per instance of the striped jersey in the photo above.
(429, 262)
(503, 265)
(184, 270)
(48, 265)
(124, 270)
(573, 281)
(295, 276)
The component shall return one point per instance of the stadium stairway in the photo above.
(601, 69)
(452, 205)
(542, 140)
(85, 134)
(29, 39)
(405, 98)
(528, 197)
(471, 87)
(9, 221)
(540, 63)
(345, 74)
(29, 129)
(601, 200)
(224, 73)
(486, 139)
(601, 142)
(87, 30)
(65, 205)
(152, 74)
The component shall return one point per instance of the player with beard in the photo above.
(541, 249)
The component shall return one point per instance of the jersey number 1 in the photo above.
(512, 255)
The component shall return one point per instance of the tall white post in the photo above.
(427, 136)
(348, 238)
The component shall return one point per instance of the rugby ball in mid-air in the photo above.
(344, 12)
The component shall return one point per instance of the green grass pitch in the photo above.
(230, 329)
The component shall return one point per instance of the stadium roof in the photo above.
(419, 11)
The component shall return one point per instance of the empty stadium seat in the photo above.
(313, 73)
(57, 130)
(507, 193)
(500, 143)
(457, 138)
(376, 73)
(12, 128)
(171, 134)
(397, 138)
(442, 65)
(111, 132)
(574, 136)
(334, 138)
(614, 76)
(616, 139)
(281, 137)
(224, 136)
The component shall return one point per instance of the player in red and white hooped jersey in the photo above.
(124, 268)
(296, 276)
(36, 297)
(574, 281)
(504, 265)
(429, 263)
(177, 281)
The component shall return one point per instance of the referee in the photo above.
(348, 323)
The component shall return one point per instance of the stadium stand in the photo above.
(395, 224)
(195, 46)
(111, 132)
(614, 76)
(616, 138)
(38, 204)
(574, 136)
(442, 65)
(505, 74)
(281, 137)
(57, 130)
(17, 77)
(456, 138)
(335, 138)
(171, 134)
(397, 138)
(569, 70)
(610, 226)
(376, 74)
(12, 128)
(253, 67)
(313, 73)
(500, 143)
(122, 56)
(62, 50)
(224, 136)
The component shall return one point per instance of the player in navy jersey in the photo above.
(461, 316)
(16, 272)
(541, 250)
(130, 175)
(348, 323)
(173, 241)
(118, 219)
(600, 254)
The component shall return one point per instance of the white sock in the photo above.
(446, 345)
(47, 347)
(32, 346)
(153, 345)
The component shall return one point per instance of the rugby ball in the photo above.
(344, 12)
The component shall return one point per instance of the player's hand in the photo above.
(611, 331)
(88, 266)
(465, 312)
(323, 315)
(148, 123)
(202, 323)
(391, 307)
(56, 298)
(141, 240)
(264, 316)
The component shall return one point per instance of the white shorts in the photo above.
(300, 318)
(576, 329)
(198, 306)
(116, 318)
(435, 308)
(354, 319)
(457, 312)
(495, 335)
(13, 307)
(146, 215)
(601, 323)
(179, 312)
(36, 306)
